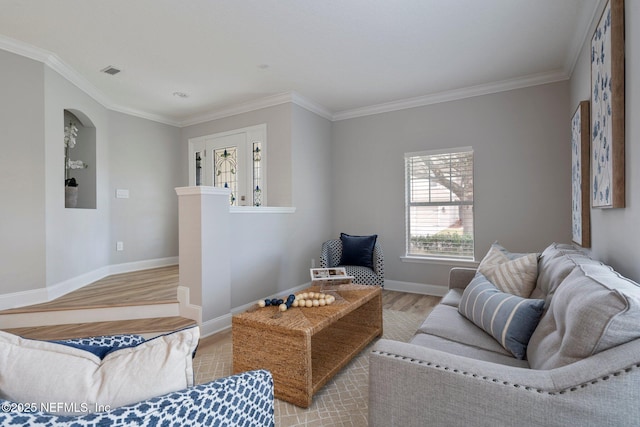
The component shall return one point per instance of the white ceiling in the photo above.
(348, 57)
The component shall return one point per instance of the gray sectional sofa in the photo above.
(581, 367)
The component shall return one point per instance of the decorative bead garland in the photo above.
(305, 299)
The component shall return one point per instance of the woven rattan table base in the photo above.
(305, 347)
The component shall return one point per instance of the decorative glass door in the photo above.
(233, 160)
(225, 170)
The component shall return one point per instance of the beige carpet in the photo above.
(341, 402)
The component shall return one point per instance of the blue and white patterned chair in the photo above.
(244, 400)
(331, 254)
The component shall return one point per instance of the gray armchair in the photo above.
(331, 254)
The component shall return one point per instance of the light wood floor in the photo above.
(410, 303)
(391, 300)
(152, 326)
(155, 286)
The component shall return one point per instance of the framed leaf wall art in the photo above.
(607, 108)
(580, 200)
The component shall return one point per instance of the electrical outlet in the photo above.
(119, 246)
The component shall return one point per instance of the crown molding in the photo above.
(257, 104)
(56, 64)
(245, 107)
(454, 95)
(312, 106)
(143, 115)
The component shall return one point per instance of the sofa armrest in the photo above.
(244, 399)
(460, 277)
(410, 385)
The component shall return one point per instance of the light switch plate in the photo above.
(122, 193)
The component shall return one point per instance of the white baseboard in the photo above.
(188, 310)
(216, 325)
(415, 288)
(22, 298)
(49, 293)
(146, 264)
(70, 285)
(208, 327)
(222, 323)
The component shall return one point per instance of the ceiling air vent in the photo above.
(110, 70)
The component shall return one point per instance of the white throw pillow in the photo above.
(512, 273)
(78, 381)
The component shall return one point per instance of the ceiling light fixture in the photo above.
(180, 94)
(110, 69)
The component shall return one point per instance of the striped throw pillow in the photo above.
(508, 318)
(515, 275)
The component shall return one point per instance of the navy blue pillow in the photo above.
(103, 345)
(99, 350)
(357, 250)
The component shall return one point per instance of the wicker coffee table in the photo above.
(305, 347)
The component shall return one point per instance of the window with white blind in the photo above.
(439, 203)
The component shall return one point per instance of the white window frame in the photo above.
(414, 256)
(207, 143)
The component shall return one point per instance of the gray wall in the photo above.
(77, 239)
(522, 169)
(345, 176)
(144, 159)
(44, 244)
(272, 252)
(22, 210)
(615, 232)
(311, 189)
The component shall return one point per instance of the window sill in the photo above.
(262, 209)
(442, 261)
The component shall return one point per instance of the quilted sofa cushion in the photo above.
(470, 351)
(554, 265)
(593, 309)
(446, 322)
